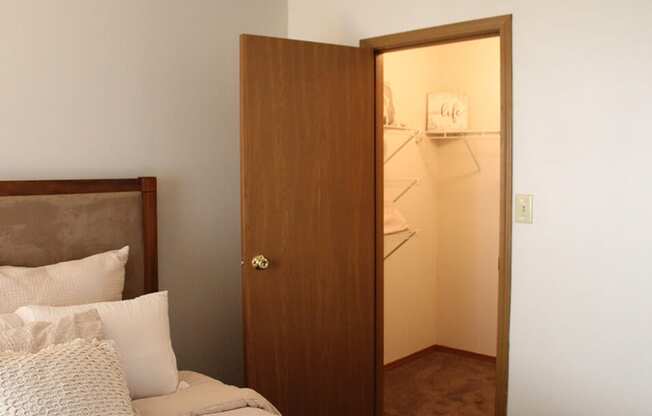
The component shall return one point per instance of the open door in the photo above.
(308, 225)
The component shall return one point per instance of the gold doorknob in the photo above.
(260, 262)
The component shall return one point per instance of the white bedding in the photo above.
(242, 412)
(200, 395)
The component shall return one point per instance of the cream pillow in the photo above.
(9, 321)
(96, 278)
(79, 378)
(35, 336)
(141, 330)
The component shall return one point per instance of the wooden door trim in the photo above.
(494, 26)
(380, 258)
(243, 289)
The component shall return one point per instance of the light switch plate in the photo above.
(524, 208)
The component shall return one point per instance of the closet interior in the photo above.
(441, 225)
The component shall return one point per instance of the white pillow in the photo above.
(141, 330)
(79, 378)
(97, 278)
(34, 336)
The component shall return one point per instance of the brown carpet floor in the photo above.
(441, 383)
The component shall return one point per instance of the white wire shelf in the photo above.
(391, 127)
(464, 135)
(406, 136)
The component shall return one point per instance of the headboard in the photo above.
(45, 222)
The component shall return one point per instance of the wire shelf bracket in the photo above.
(399, 245)
(414, 134)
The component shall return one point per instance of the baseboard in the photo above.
(411, 357)
(464, 353)
(441, 348)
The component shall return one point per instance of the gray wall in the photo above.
(122, 88)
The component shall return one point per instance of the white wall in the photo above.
(581, 310)
(122, 88)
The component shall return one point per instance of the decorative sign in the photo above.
(447, 112)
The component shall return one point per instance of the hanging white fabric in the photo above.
(394, 221)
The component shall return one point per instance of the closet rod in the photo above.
(399, 245)
(462, 134)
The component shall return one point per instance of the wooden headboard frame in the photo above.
(145, 185)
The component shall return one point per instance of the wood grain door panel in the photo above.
(308, 204)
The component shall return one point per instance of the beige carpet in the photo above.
(441, 383)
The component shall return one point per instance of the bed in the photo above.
(46, 222)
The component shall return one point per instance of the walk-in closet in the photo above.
(441, 227)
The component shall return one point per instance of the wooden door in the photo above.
(308, 199)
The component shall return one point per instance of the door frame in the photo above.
(500, 26)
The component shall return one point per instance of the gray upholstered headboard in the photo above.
(45, 222)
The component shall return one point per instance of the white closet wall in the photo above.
(441, 287)
(468, 203)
